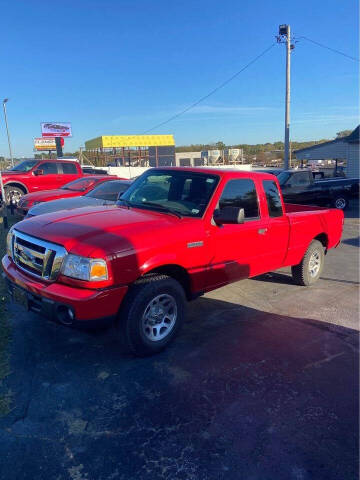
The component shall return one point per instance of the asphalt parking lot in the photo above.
(261, 384)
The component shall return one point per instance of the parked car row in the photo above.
(73, 189)
(35, 175)
(106, 192)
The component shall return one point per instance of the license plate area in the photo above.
(20, 297)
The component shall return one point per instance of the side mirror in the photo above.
(229, 215)
(39, 171)
(119, 196)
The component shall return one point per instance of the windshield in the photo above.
(184, 193)
(24, 166)
(108, 190)
(79, 185)
(283, 177)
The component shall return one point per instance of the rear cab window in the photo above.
(273, 199)
(241, 193)
(68, 168)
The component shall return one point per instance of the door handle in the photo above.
(262, 231)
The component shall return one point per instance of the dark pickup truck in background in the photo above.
(300, 187)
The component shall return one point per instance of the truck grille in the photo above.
(37, 257)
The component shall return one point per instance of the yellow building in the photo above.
(119, 141)
(134, 150)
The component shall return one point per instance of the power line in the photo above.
(211, 92)
(331, 49)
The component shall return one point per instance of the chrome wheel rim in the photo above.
(340, 203)
(314, 263)
(159, 317)
(13, 196)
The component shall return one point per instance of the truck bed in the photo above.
(307, 222)
(296, 208)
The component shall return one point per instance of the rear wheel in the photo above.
(340, 202)
(309, 269)
(152, 314)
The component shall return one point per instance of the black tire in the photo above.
(302, 273)
(133, 323)
(340, 202)
(13, 194)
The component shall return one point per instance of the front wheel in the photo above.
(309, 269)
(13, 195)
(152, 314)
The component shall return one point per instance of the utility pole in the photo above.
(7, 130)
(285, 37)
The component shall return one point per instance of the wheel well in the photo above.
(177, 273)
(17, 185)
(323, 238)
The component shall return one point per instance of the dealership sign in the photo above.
(56, 129)
(46, 143)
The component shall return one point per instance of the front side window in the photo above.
(69, 168)
(273, 198)
(299, 179)
(241, 193)
(184, 193)
(48, 168)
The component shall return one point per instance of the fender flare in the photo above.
(16, 183)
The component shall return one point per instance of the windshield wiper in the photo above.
(162, 208)
(125, 202)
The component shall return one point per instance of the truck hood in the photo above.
(7, 173)
(67, 204)
(101, 231)
(45, 195)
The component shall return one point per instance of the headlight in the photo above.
(9, 242)
(82, 268)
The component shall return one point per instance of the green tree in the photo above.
(343, 133)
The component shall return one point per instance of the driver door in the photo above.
(48, 180)
(238, 248)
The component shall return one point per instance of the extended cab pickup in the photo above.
(174, 234)
(35, 175)
(300, 186)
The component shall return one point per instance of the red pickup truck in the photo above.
(34, 175)
(174, 234)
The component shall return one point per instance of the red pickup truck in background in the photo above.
(76, 188)
(174, 234)
(34, 175)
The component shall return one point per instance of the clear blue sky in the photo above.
(120, 67)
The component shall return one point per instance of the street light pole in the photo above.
(7, 130)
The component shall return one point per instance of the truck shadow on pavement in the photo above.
(286, 279)
(240, 394)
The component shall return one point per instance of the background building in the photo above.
(131, 150)
(341, 150)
